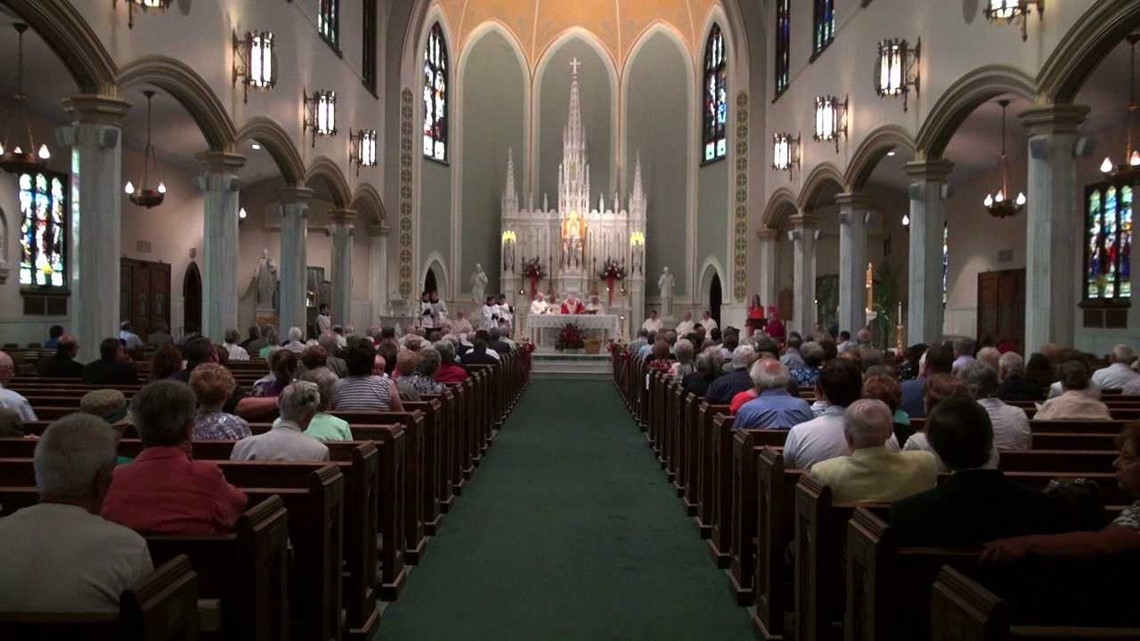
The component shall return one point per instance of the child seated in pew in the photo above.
(164, 491)
(59, 555)
(324, 426)
(286, 441)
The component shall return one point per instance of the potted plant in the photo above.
(570, 339)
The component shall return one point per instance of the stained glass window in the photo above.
(824, 24)
(43, 240)
(783, 44)
(1108, 242)
(435, 95)
(368, 52)
(716, 97)
(945, 261)
(328, 21)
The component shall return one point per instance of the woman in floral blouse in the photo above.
(213, 384)
(423, 380)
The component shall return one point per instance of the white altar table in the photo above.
(607, 324)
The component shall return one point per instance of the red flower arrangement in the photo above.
(533, 270)
(612, 272)
(570, 337)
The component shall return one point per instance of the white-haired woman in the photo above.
(286, 441)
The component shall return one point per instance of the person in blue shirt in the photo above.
(937, 360)
(774, 408)
(54, 334)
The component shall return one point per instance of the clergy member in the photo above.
(506, 314)
(490, 314)
(595, 306)
(652, 324)
(686, 325)
(462, 326)
(539, 305)
(438, 308)
(573, 305)
(707, 321)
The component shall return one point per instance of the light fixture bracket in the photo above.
(320, 113)
(897, 69)
(830, 119)
(1008, 11)
(362, 148)
(786, 153)
(146, 6)
(255, 62)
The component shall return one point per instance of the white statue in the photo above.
(478, 284)
(265, 279)
(665, 286)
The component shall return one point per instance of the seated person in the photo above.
(331, 343)
(449, 371)
(1064, 356)
(495, 341)
(872, 472)
(807, 374)
(213, 385)
(660, 359)
(975, 504)
(883, 387)
(652, 324)
(235, 351)
(539, 306)
(55, 332)
(166, 363)
(773, 408)
(739, 379)
(361, 390)
(461, 325)
(706, 366)
(686, 325)
(1014, 385)
(937, 389)
(684, 351)
(792, 359)
(325, 427)
(108, 404)
(282, 370)
(707, 321)
(1074, 403)
(937, 360)
(406, 363)
(11, 424)
(479, 354)
(113, 366)
(9, 399)
(160, 337)
(129, 338)
(164, 491)
(572, 305)
(287, 441)
(423, 378)
(823, 437)
(62, 363)
(595, 306)
(59, 555)
(1010, 424)
(1119, 373)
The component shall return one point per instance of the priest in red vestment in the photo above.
(573, 306)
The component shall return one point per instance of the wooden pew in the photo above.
(707, 444)
(690, 464)
(163, 606)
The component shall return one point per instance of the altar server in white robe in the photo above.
(595, 306)
(506, 315)
(438, 309)
(708, 322)
(652, 324)
(686, 325)
(539, 306)
(489, 314)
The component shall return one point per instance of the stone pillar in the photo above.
(293, 207)
(1054, 229)
(927, 218)
(220, 185)
(804, 233)
(852, 261)
(95, 138)
(342, 231)
(769, 260)
(378, 271)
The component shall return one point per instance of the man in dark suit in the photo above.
(937, 360)
(113, 366)
(496, 342)
(974, 505)
(478, 355)
(722, 390)
(62, 363)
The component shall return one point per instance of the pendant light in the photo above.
(19, 154)
(1000, 204)
(145, 196)
(1131, 162)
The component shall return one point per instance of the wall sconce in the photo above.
(320, 113)
(830, 119)
(362, 151)
(637, 239)
(509, 237)
(785, 152)
(1007, 11)
(146, 6)
(254, 60)
(893, 73)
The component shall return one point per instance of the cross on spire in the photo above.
(574, 64)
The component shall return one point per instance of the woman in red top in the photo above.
(775, 327)
(755, 319)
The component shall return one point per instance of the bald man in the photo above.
(8, 398)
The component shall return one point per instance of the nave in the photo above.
(571, 532)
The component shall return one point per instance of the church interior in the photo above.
(584, 205)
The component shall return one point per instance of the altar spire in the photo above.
(510, 196)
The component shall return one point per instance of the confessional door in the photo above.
(144, 294)
(1001, 306)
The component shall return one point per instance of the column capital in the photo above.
(930, 170)
(220, 161)
(1053, 119)
(301, 195)
(95, 109)
(342, 216)
(804, 221)
(767, 233)
(378, 230)
(852, 200)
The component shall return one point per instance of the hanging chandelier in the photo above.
(1131, 161)
(999, 204)
(145, 196)
(20, 154)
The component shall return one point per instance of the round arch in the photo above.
(325, 171)
(871, 151)
(778, 205)
(279, 145)
(190, 90)
(820, 176)
(367, 199)
(72, 39)
(969, 91)
(1085, 45)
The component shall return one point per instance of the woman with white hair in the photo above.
(324, 426)
(296, 342)
(684, 352)
(286, 441)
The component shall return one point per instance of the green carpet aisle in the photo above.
(568, 531)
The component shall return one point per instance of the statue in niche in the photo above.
(478, 284)
(665, 285)
(265, 281)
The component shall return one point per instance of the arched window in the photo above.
(1108, 242)
(43, 239)
(824, 18)
(435, 95)
(716, 98)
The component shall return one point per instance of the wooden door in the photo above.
(145, 294)
(192, 297)
(160, 298)
(1001, 306)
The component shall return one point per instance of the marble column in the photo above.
(378, 271)
(853, 301)
(220, 187)
(927, 218)
(342, 232)
(1053, 227)
(769, 260)
(803, 234)
(293, 207)
(95, 138)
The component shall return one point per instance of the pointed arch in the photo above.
(962, 97)
(778, 207)
(435, 263)
(823, 174)
(871, 151)
(1085, 45)
(367, 199)
(190, 90)
(280, 146)
(710, 268)
(325, 171)
(65, 31)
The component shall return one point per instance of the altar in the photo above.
(544, 328)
